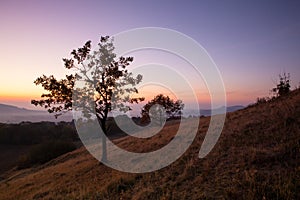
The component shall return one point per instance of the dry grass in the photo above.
(256, 157)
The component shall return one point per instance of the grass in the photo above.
(256, 157)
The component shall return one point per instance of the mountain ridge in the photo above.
(15, 114)
(13, 108)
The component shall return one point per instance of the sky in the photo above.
(251, 42)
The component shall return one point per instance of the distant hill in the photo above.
(13, 109)
(256, 157)
(13, 114)
(207, 112)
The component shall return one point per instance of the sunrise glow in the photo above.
(249, 52)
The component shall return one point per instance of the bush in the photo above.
(45, 152)
(27, 133)
(283, 87)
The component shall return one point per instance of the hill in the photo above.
(207, 112)
(12, 109)
(13, 114)
(256, 157)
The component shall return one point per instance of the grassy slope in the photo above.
(256, 157)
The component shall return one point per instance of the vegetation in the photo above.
(26, 144)
(161, 108)
(257, 157)
(45, 152)
(108, 84)
(283, 87)
(27, 133)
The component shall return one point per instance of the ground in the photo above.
(256, 157)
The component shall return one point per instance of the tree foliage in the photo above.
(106, 80)
(162, 107)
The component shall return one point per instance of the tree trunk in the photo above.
(104, 148)
(160, 118)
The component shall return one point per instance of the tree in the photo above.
(161, 108)
(283, 87)
(106, 79)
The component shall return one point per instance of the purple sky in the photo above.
(251, 42)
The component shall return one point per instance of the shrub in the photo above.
(261, 100)
(283, 87)
(27, 133)
(45, 152)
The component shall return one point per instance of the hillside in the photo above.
(256, 157)
(9, 108)
(16, 140)
(207, 112)
(13, 114)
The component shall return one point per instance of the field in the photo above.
(256, 157)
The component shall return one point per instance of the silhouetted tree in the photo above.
(162, 107)
(106, 79)
(283, 87)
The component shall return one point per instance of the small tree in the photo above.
(162, 107)
(106, 79)
(283, 87)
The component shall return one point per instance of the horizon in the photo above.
(16, 115)
(149, 99)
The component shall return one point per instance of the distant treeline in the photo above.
(30, 133)
(27, 133)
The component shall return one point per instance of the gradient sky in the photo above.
(250, 41)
